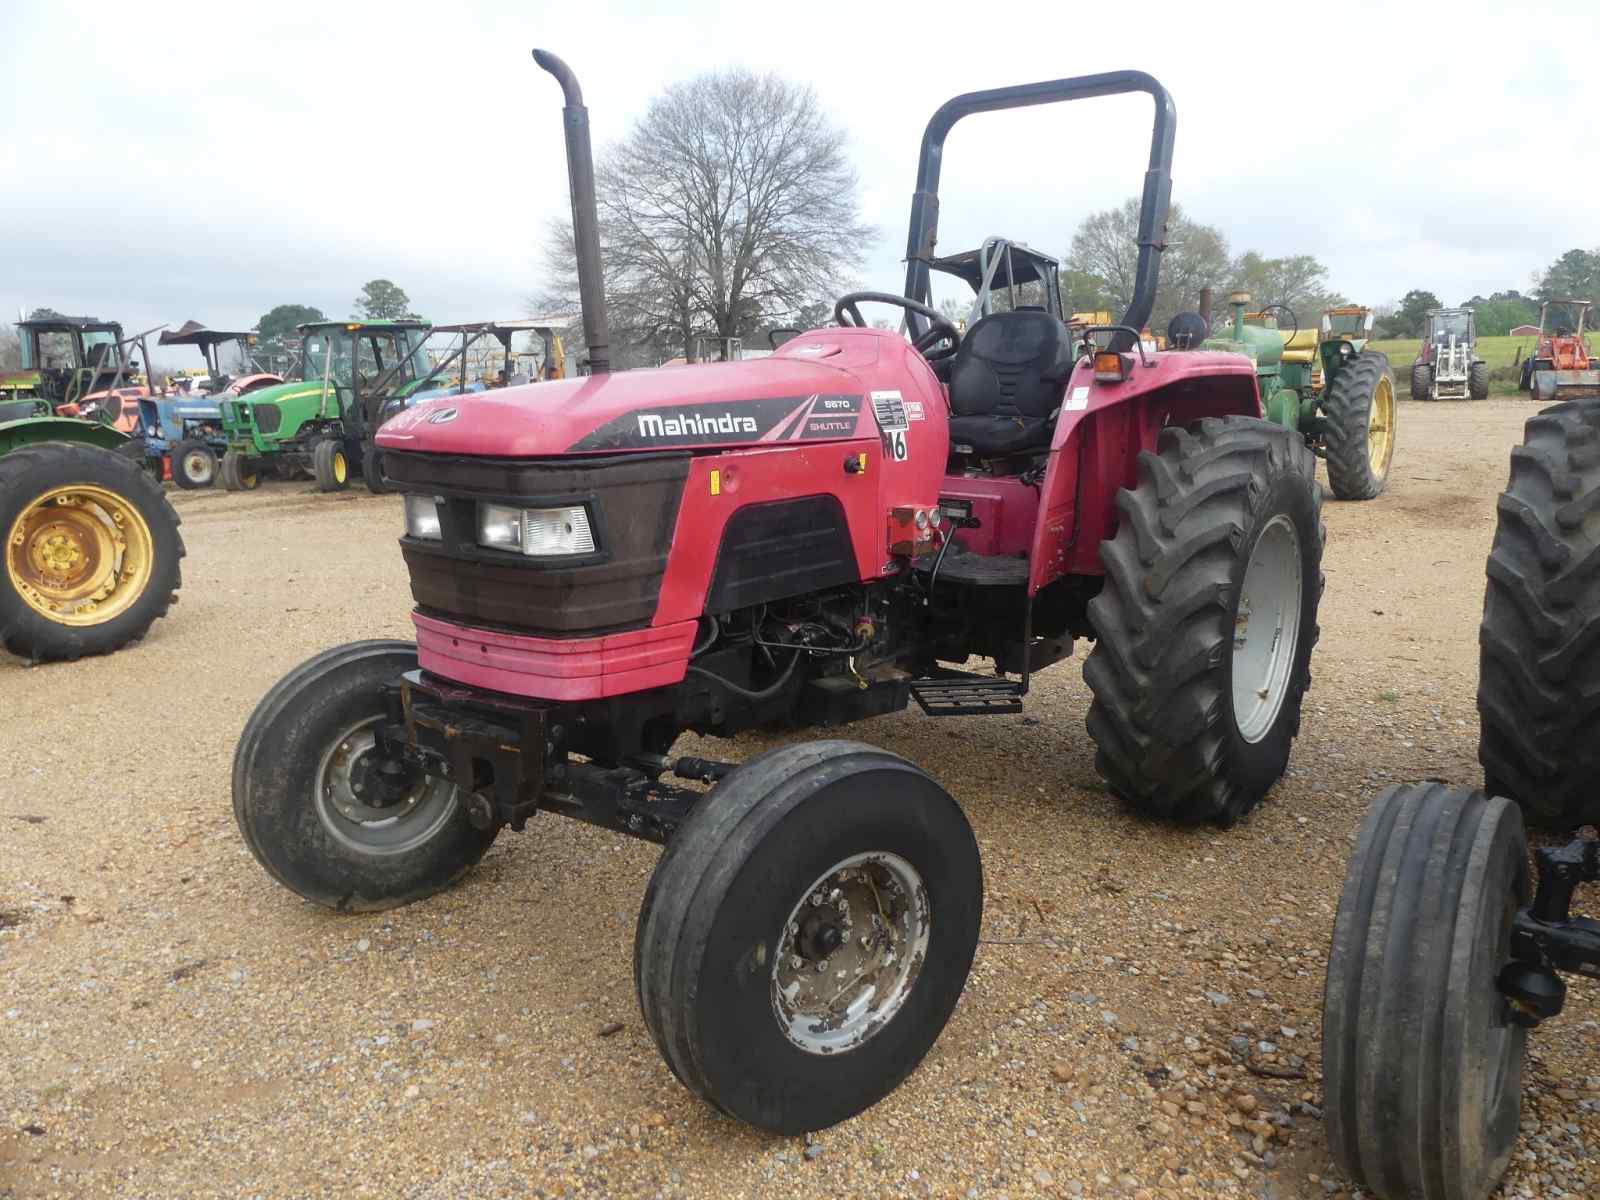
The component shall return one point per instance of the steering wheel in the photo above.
(940, 328)
(1283, 308)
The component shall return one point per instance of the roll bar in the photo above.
(1153, 203)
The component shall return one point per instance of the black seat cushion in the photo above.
(1006, 380)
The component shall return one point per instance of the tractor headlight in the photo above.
(535, 531)
(422, 517)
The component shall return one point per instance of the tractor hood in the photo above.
(812, 389)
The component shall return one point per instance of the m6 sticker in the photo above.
(898, 449)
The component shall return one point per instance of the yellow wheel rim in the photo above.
(1380, 429)
(80, 555)
(339, 468)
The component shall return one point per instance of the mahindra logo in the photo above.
(691, 424)
(443, 416)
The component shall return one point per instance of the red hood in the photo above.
(812, 389)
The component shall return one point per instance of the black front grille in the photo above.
(633, 510)
(268, 417)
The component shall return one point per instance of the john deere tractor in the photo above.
(322, 422)
(1329, 385)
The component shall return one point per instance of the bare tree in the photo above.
(1105, 247)
(729, 207)
(1299, 282)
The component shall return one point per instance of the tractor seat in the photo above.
(1300, 346)
(1005, 382)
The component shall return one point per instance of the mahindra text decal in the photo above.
(777, 418)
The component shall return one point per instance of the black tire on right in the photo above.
(238, 473)
(372, 469)
(1539, 662)
(1167, 738)
(1422, 1067)
(1478, 381)
(1421, 381)
(194, 464)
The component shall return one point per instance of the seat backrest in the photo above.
(1011, 364)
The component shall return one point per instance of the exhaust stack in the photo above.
(585, 217)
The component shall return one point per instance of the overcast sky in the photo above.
(168, 161)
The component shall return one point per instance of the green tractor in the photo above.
(321, 423)
(89, 546)
(1329, 385)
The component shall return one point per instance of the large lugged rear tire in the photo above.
(1421, 381)
(1539, 664)
(1478, 381)
(807, 933)
(1358, 427)
(1206, 620)
(303, 801)
(89, 551)
(1422, 1066)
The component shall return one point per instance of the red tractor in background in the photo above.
(1561, 367)
(813, 538)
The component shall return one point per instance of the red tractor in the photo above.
(1561, 367)
(823, 535)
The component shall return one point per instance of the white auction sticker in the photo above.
(1079, 399)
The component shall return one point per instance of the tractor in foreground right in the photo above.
(1447, 948)
(1447, 365)
(1331, 387)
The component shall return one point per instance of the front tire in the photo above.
(1194, 713)
(1539, 661)
(1422, 1065)
(827, 852)
(330, 465)
(238, 473)
(89, 551)
(303, 803)
(372, 470)
(1478, 381)
(1421, 381)
(194, 465)
(1358, 421)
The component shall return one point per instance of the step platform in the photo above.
(967, 696)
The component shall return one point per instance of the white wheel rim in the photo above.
(1266, 632)
(832, 1003)
(369, 828)
(197, 466)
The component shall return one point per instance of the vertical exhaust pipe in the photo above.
(1205, 308)
(585, 216)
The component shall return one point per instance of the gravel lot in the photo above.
(1143, 1018)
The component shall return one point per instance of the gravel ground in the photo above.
(1143, 1018)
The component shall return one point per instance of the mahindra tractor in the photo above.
(323, 422)
(1561, 366)
(861, 521)
(1447, 366)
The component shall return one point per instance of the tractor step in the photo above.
(967, 696)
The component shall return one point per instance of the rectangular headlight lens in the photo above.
(422, 517)
(536, 531)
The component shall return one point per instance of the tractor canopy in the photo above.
(1005, 276)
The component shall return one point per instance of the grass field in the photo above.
(1499, 352)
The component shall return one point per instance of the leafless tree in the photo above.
(1105, 247)
(728, 208)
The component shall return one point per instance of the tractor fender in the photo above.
(1099, 435)
(29, 430)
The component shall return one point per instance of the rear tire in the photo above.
(194, 465)
(1421, 381)
(330, 465)
(1358, 412)
(300, 803)
(1539, 664)
(1422, 1066)
(725, 920)
(1182, 731)
(238, 473)
(1478, 381)
(48, 565)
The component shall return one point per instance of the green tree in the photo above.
(278, 325)
(383, 300)
(1299, 282)
(1575, 275)
(1411, 313)
(1498, 315)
